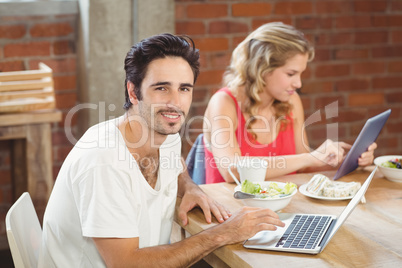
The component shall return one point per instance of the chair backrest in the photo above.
(24, 232)
(195, 161)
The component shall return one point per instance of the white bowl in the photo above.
(392, 174)
(275, 203)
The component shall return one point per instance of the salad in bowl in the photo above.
(390, 166)
(268, 194)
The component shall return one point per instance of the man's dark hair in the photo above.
(157, 47)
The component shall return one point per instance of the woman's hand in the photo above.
(329, 153)
(367, 157)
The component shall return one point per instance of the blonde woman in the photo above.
(259, 112)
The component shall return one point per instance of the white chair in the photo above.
(24, 232)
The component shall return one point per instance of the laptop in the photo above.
(367, 136)
(305, 233)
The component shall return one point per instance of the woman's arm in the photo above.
(322, 162)
(220, 124)
(300, 135)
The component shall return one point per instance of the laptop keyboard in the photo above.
(305, 231)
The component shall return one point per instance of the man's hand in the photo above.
(245, 223)
(194, 196)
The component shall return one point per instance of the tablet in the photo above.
(367, 136)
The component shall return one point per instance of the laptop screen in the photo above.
(349, 208)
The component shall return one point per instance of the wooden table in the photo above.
(31, 151)
(370, 237)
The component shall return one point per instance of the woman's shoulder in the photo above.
(223, 102)
(221, 112)
(225, 95)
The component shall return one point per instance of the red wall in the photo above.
(358, 57)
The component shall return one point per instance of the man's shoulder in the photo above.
(99, 135)
(101, 143)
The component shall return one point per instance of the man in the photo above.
(113, 201)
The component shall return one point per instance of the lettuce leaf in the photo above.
(289, 188)
(250, 187)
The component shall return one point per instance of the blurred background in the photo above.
(358, 63)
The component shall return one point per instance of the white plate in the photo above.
(303, 190)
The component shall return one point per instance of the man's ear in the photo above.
(131, 94)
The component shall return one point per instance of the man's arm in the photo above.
(125, 252)
(117, 252)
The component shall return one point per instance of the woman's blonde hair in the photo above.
(264, 50)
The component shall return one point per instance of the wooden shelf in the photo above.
(29, 90)
(34, 117)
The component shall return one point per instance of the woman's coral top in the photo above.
(284, 144)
